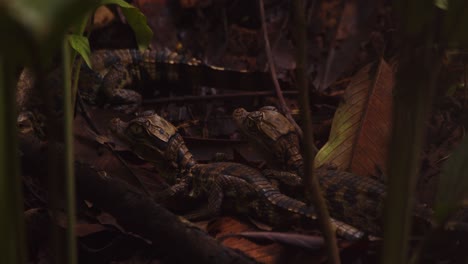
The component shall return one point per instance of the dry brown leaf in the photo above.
(103, 17)
(83, 227)
(312, 243)
(262, 253)
(362, 124)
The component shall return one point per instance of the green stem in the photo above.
(416, 79)
(76, 75)
(69, 161)
(77, 61)
(313, 188)
(12, 245)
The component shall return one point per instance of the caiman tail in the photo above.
(265, 189)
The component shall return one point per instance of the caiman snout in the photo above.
(117, 125)
(239, 114)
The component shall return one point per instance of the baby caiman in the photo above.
(355, 200)
(153, 138)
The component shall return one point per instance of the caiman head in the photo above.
(153, 138)
(29, 124)
(272, 131)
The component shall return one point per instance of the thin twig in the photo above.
(72, 255)
(278, 38)
(282, 103)
(313, 188)
(211, 97)
(310, 11)
(464, 86)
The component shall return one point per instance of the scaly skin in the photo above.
(355, 200)
(113, 71)
(115, 80)
(151, 137)
(273, 132)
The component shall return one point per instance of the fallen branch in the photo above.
(96, 131)
(137, 213)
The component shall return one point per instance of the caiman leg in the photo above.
(355, 200)
(171, 191)
(285, 177)
(215, 196)
(245, 195)
(246, 185)
(113, 87)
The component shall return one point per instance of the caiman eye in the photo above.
(136, 129)
(251, 125)
(269, 108)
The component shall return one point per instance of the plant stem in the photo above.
(69, 159)
(283, 107)
(76, 67)
(416, 80)
(12, 247)
(313, 188)
(77, 61)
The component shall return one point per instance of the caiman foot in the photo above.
(171, 192)
(287, 178)
(202, 213)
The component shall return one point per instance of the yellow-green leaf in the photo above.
(81, 45)
(136, 20)
(362, 124)
(456, 22)
(442, 4)
(48, 20)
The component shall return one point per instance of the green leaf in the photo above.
(136, 20)
(456, 22)
(453, 183)
(44, 22)
(442, 4)
(48, 18)
(81, 45)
